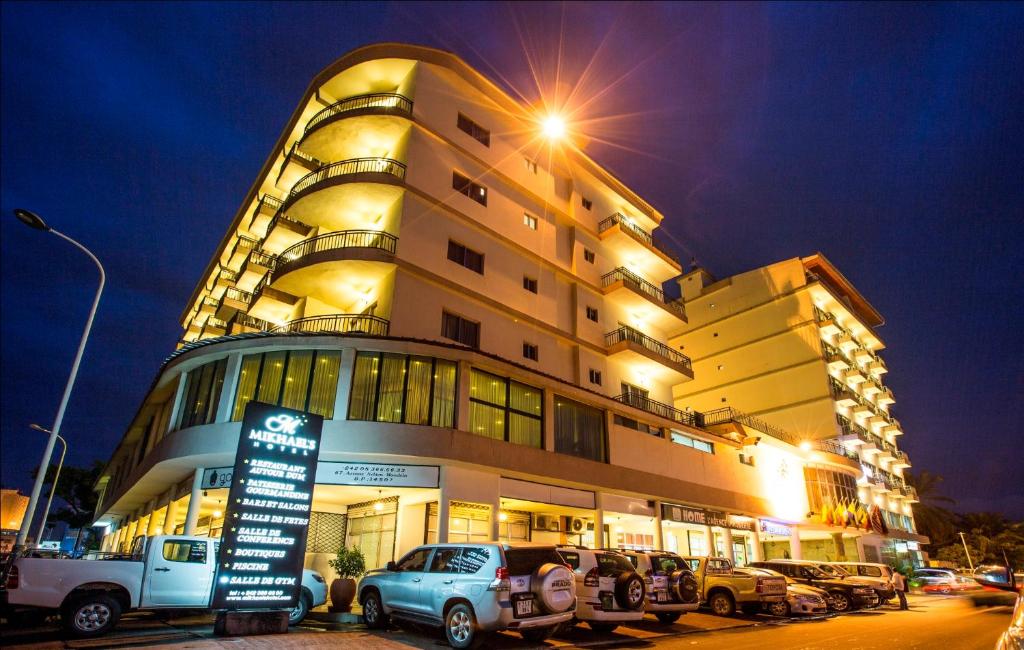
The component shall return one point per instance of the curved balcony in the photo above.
(336, 324)
(358, 125)
(324, 197)
(372, 104)
(365, 245)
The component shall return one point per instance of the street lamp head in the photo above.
(39, 428)
(30, 219)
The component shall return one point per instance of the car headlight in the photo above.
(810, 600)
(863, 591)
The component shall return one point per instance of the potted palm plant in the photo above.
(350, 565)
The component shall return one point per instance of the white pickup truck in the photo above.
(163, 572)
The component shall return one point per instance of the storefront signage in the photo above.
(741, 523)
(775, 528)
(913, 546)
(378, 475)
(698, 516)
(267, 515)
(218, 477)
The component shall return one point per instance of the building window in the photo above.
(530, 284)
(529, 222)
(635, 425)
(304, 380)
(530, 351)
(463, 185)
(595, 376)
(579, 430)
(504, 409)
(826, 487)
(693, 443)
(592, 313)
(587, 203)
(201, 395)
(531, 165)
(588, 255)
(467, 257)
(403, 388)
(477, 132)
(460, 329)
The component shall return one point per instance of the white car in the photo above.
(609, 591)
(877, 574)
(672, 589)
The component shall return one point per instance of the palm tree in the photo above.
(930, 514)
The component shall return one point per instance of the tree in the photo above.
(75, 493)
(931, 515)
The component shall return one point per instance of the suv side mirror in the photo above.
(391, 566)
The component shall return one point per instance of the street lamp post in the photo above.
(34, 221)
(969, 562)
(56, 477)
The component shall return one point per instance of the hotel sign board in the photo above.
(378, 474)
(774, 528)
(267, 515)
(698, 516)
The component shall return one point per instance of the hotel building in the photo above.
(482, 325)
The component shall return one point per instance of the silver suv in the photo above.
(471, 589)
(609, 589)
(672, 588)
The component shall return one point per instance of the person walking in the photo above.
(900, 584)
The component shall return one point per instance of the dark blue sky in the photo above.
(887, 136)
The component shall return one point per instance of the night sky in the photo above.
(889, 137)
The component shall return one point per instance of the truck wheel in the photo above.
(722, 604)
(668, 618)
(299, 612)
(373, 611)
(91, 615)
(460, 628)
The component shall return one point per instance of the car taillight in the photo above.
(501, 581)
(591, 579)
(649, 577)
(12, 578)
(760, 586)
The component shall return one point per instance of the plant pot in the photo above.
(343, 591)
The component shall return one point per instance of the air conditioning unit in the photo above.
(575, 525)
(546, 522)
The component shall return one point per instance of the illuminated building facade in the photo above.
(481, 324)
(794, 345)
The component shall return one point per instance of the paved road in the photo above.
(938, 623)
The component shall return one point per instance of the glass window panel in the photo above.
(296, 380)
(325, 384)
(392, 381)
(417, 393)
(579, 429)
(269, 390)
(487, 421)
(364, 387)
(189, 398)
(525, 398)
(487, 388)
(444, 394)
(524, 430)
(247, 377)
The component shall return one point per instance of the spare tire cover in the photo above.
(629, 590)
(689, 590)
(554, 587)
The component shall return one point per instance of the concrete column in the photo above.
(598, 521)
(345, 370)
(443, 512)
(495, 518)
(794, 544)
(757, 549)
(659, 531)
(709, 537)
(548, 425)
(837, 540)
(171, 517)
(105, 544)
(727, 541)
(860, 548)
(153, 528)
(194, 501)
(132, 528)
(227, 390)
(462, 398)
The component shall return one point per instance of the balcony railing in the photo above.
(337, 324)
(347, 168)
(835, 447)
(390, 103)
(641, 286)
(243, 319)
(729, 414)
(295, 152)
(839, 390)
(337, 240)
(282, 218)
(236, 294)
(644, 403)
(626, 333)
(636, 232)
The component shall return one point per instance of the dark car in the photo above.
(847, 593)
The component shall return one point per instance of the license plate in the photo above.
(662, 597)
(524, 607)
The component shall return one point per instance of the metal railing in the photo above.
(260, 258)
(295, 152)
(281, 217)
(236, 294)
(337, 324)
(729, 414)
(839, 390)
(243, 319)
(626, 333)
(631, 228)
(379, 239)
(644, 403)
(391, 103)
(638, 284)
(348, 167)
(821, 315)
(835, 447)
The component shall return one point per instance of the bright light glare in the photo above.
(554, 127)
(806, 446)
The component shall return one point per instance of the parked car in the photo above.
(800, 599)
(163, 572)
(672, 588)
(472, 589)
(724, 589)
(1013, 637)
(609, 590)
(847, 593)
(877, 575)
